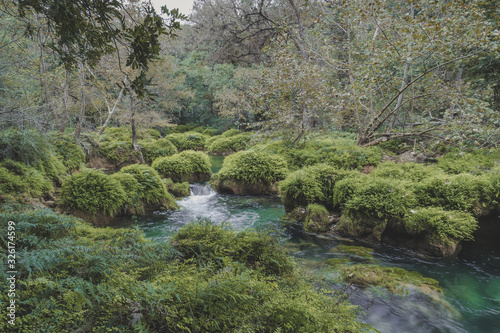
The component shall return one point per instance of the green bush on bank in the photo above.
(85, 276)
(228, 144)
(440, 225)
(17, 178)
(253, 167)
(151, 189)
(92, 191)
(186, 166)
(152, 149)
(313, 184)
(477, 162)
(316, 219)
(187, 140)
(178, 190)
(66, 149)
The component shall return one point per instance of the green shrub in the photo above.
(253, 167)
(228, 144)
(148, 133)
(153, 149)
(152, 190)
(18, 178)
(316, 218)
(70, 154)
(178, 190)
(474, 162)
(130, 185)
(187, 140)
(440, 225)
(313, 184)
(464, 192)
(414, 172)
(93, 191)
(186, 166)
(231, 132)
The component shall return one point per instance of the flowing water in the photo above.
(471, 280)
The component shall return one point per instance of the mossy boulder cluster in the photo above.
(228, 142)
(427, 208)
(187, 166)
(98, 197)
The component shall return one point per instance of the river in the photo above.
(470, 280)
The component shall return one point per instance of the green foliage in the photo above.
(148, 133)
(209, 279)
(178, 190)
(70, 154)
(16, 178)
(231, 132)
(414, 172)
(187, 140)
(395, 279)
(253, 167)
(186, 166)
(228, 144)
(152, 190)
(440, 225)
(152, 149)
(115, 144)
(473, 162)
(465, 192)
(130, 185)
(316, 218)
(33, 149)
(313, 184)
(92, 191)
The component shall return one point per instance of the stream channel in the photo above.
(470, 280)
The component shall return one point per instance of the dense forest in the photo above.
(373, 123)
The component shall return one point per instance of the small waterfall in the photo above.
(201, 189)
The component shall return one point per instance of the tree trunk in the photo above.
(82, 101)
(64, 116)
(135, 145)
(111, 112)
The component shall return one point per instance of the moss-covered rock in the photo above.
(152, 191)
(178, 190)
(152, 149)
(316, 219)
(225, 145)
(93, 193)
(187, 140)
(250, 172)
(313, 184)
(16, 178)
(187, 166)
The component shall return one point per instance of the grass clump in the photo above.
(313, 184)
(187, 140)
(253, 167)
(316, 219)
(477, 162)
(152, 191)
(186, 166)
(152, 149)
(208, 279)
(178, 190)
(92, 191)
(440, 225)
(396, 280)
(228, 144)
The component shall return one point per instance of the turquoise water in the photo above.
(471, 280)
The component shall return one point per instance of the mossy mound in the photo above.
(152, 191)
(396, 280)
(475, 194)
(316, 219)
(153, 149)
(178, 190)
(410, 171)
(313, 184)
(70, 154)
(130, 186)
(225, 145)
(477, 162)
(187, 166)
(251, 172)
(187, 140)
(93, 192)
(16, 178)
